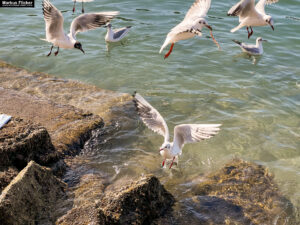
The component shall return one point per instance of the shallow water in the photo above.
(256, 99)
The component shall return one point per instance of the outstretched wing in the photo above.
(260, 6)
(198, 9)
(189, 133)
(151, 117)
(242, 9)
(54, 21)
(90, 21)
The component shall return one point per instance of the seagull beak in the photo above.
(265, 40)
(161, 149)
(82, 50)
(272, 27)
(209, 27)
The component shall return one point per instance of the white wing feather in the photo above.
(151, 117)
(54, 21)
(189, 133)
(242, 9)
(260, 6)
(198, 9)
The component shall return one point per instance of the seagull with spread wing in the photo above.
(55, 31)
(191, 25)
(183, 134)
(251, 15)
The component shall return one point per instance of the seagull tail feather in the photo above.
(238, 42)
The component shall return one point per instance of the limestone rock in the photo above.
(68, 126)
(136, 203)
(22, 141)
(32, 197)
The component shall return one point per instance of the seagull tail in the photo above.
(236, 28)
(238, 42)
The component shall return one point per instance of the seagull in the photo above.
(54, 26)
(251, 15)
(117, 34)
(82, 1)
(183, 134)
(191, 25)
(252, 49)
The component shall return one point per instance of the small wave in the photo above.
(293, 18)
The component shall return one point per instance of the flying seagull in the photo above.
(252, 49)
(117, 34)
(191, 25)
(251, 15)
(54, 26)
(183, 134)
(82, 1)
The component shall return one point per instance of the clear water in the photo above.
(256, 99)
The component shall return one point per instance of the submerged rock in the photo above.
(139, 202)
(239, 193)
(32, 197)
(68, 126)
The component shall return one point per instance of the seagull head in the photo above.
(202, 22)
(108, 25)
(260, 40)
(269, 20)
(78, 46)
(165, 146)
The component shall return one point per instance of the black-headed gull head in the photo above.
(201, 22)
(269, 20)
(78, 46)
(165, 146)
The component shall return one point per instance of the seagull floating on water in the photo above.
(252, 49)
(82, 1)
(117, 34)
(55, 31)
(191, 25)
(251, 15)
(183, 134)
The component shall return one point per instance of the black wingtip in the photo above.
(128, 27)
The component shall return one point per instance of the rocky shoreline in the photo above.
(52, 118)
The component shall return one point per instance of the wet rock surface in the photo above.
(32, 197)
(139, 202)
(105, 103)
(239, 193)
(68, 126)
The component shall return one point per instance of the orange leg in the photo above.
(172, 162)
(171, 49)
(163, 163)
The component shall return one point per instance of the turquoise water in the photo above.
(256, 99)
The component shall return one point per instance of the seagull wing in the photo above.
(90, 21)
(260, 6)
(242, 9)
(151, 117)
(54, 21)
(189, 133)
(198, 9)
(118, 33)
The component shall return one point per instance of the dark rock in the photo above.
(6, 176)
(240, 193)
(32, 197)
(139, 202)
(22, 141)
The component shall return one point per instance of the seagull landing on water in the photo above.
(117, 34)
(252, 49)
(191, 25)
(251, 15)
(55, 31)
(82, 1)
(184, 133)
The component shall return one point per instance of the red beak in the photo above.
(209, 27)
